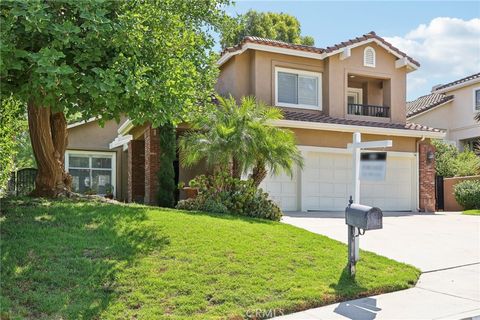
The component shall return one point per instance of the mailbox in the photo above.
(363, 217)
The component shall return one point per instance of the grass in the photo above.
(84, 260)
(474, 212)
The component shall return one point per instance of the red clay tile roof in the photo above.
(316, 116)
(273, 43)
(454, 83)
(426, 102)
(276, 43)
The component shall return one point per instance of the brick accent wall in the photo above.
(136, 171)
(427, 178)
(152, 153)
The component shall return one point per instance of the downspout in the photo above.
(418, 171)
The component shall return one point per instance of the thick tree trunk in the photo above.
(259, 173)
(48, 133)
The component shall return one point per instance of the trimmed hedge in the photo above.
(467, 194)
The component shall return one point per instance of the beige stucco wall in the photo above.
(456, 117)
(253, 73)
(334, 139)
(394, 84)
(91, 137)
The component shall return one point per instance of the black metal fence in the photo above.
(368, 110)
(439, 193)
(22, 182)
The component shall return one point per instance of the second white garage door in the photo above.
(326, 184)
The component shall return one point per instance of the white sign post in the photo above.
(357, 145)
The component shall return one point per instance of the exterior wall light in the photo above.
(430, 157)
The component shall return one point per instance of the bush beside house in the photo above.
(467, 194)
(222, 193)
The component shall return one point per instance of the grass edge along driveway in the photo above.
(474, 212)
(78, 259)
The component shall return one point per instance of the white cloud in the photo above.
(447, 49)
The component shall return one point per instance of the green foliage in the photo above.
(92, 260)
(223, 194)
(166, 172)
(450, 162)
(467, 194)
(271, 25)
(11, 112)
(149, 60)
(241, 133)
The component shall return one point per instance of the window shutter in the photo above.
(369, 57)
(287, 87)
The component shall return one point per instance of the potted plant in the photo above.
(190, 192)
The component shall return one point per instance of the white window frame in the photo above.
(95, 153)
(357, 92)
(475, 99)
(372, 65)
(318, 75)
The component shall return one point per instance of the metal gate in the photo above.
(22, 182)
(439, 192)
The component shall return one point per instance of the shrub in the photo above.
(449, 162)
(166, 171)
(467, 194)
(223, 194)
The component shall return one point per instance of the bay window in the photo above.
(298, 89)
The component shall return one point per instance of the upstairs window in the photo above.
(477, 99)
(369, 57)
(298, 89)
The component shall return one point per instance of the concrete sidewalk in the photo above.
(446, 247)
(448, 294)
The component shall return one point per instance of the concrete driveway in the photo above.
(445, 246)
(427, 241)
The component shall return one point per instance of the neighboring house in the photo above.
(451, 107)
(326, 95)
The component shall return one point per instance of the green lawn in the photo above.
(474, 212)
(71, 260)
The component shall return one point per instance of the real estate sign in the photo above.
(373, 166)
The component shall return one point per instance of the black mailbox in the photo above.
(363, 217)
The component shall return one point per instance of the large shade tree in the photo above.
(271, 25)
(150, 60)
(241, 139)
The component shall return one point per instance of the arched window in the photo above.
(369, 57)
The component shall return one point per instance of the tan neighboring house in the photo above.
(326, 94)
(451, 107)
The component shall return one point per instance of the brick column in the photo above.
(152, 148)
(427, 178)
(136, 171)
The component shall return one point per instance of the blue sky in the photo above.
(447, 45)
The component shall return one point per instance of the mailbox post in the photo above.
(359, 218)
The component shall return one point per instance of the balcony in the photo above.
(368, 110)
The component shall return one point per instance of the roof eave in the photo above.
(361, 129)
(457, 86)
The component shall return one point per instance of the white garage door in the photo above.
(282, 189)
(326, 184)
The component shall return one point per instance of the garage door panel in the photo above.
(395, 193)
(327, 184)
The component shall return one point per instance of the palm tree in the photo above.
(240, 139)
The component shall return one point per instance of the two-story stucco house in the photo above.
(326, 94)
(451, 107)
